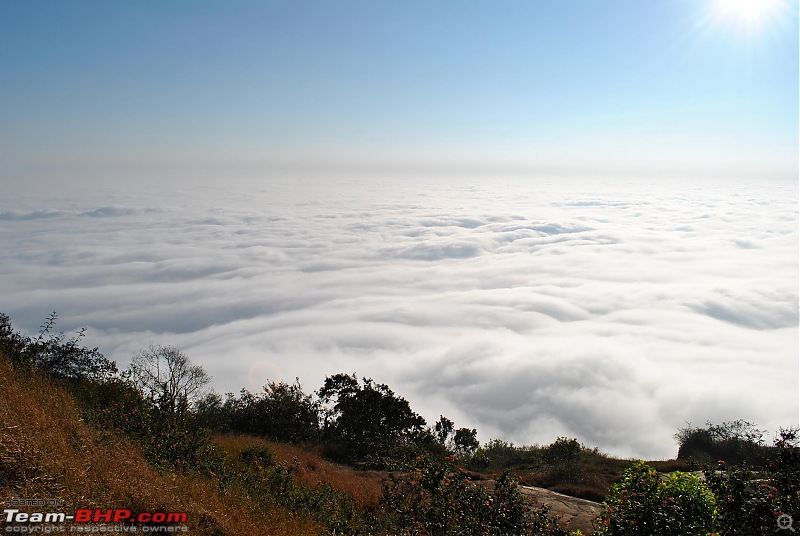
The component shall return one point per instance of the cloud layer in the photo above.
(528, 309)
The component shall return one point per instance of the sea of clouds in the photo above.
(528, 308)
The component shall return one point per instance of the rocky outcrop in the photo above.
(574, 513)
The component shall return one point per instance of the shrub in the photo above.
(499, 454)
(643, 503)
(53, 353)
(784, 468)
(736, 442)
(564, 456)
(436, 498)
(747, 505)
(750, 502)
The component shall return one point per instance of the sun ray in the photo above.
(749, 13)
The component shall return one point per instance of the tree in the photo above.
(462, 441)
(564, 457)
(166, 376)
(443, 429)
(465, 441)
(11, 342)
(286, 413)
(211, 410)
(282, 412)
(171, 385)
(368, 417)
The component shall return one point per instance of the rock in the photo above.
(575, 513)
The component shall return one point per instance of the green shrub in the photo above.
(750, 502)
(643, 503)
(438, 499)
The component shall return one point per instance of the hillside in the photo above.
(48, 452)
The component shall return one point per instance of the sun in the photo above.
(750, 13)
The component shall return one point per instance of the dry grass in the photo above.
(312, 469)
(47, 452)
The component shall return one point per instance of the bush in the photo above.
(736, 442)
(53, 353)
(747, 504)
(750, 502)
(784, 468)
(436, 498)
(643, 503)
(564, 458)
(499, 454)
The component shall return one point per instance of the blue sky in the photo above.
(668, 86)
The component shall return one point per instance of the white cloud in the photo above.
(527, 309)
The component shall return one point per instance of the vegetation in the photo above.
(737, 442)
(644, 503)
(282, 412)
(751, 501)
(59, 356)
(48, 450)
(151, 438)
(437, 498)
(362, 419)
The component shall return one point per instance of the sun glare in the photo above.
(750, 13)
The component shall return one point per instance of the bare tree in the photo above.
(168, 378)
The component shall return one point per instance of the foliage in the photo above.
(213, 413)
(462, 442)
(282, 412)
(498, 454)
(48, 448)
(158, 403)
(465, 441)
(286, 413)
(53, 353)
(256, 472)
(748, 502)
(564, 456)
(172, 441)
(443, 430)
(169, 384)
(150, 403)
(438, 499)
(736, 442)
(116, 404)
(643, 503)
(784, 468)
(368, 417)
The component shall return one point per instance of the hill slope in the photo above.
(48, 452)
